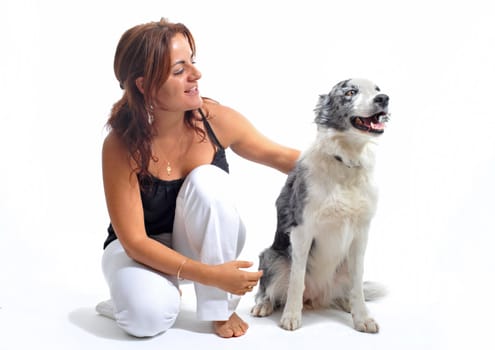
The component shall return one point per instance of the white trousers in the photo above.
(207, 228)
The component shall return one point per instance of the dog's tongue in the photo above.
(377, 126)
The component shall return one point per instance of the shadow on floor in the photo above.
(88, 320)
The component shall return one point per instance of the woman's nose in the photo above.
(195, 73)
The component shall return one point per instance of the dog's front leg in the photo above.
(362, 321)
(292, 315)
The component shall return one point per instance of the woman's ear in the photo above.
(139, 84)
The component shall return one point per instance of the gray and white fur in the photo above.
(324, 213)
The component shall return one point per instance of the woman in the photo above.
(166, 187)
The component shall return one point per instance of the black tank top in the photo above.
(159, 196)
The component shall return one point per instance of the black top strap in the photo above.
(209, 130)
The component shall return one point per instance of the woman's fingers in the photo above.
(255, 276)
(240, 281)
(241, 264)
(251, 276)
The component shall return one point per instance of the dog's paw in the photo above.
(367, 325)
(262, 309)
(291, 320)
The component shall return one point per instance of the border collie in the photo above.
(324, 213)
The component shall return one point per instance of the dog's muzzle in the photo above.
(374, 124)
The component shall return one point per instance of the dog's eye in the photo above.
(351, 93)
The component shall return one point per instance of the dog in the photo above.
(324, 212)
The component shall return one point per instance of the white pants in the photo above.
(207, 228)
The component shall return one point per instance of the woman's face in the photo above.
(180, 91)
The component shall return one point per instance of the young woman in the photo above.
(167, 190)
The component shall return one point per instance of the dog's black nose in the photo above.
(381, 100)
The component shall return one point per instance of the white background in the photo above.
(432, 238)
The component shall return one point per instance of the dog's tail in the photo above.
(374, 290)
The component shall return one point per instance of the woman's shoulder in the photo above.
(114, 149)
(113, 143)
(220, 114)
(215, 109)
(225, 121)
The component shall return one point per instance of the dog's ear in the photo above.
(322, 107)
(323, 101)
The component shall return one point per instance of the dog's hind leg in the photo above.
(292, 315)
(273, 284)
(362, 321)
(263, 306)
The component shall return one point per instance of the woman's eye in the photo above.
(179, 71)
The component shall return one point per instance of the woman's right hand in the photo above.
(232, 279)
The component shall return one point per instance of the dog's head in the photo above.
(354, 104)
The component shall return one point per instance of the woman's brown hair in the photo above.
(143, 51)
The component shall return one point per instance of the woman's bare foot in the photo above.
(233, 327)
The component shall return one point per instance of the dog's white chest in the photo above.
(341, 202)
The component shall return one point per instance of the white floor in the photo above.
(61, 319)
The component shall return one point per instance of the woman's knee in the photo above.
(207, 224)
(208, 184)
(147, 319)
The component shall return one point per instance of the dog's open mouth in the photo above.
(374, 124)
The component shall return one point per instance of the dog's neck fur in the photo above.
(351, 150)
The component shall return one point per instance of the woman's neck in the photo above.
(169, 125)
